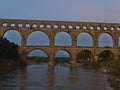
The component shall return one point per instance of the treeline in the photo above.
(8, 52)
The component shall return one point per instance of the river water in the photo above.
(44, 77)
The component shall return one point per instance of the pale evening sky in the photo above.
(63, 10)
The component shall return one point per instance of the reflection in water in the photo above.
(51, 77)
(73, 75)
(44, 77)
(23, 78)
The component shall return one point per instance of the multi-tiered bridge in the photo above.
(51, 28)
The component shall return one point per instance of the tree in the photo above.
(8, 50)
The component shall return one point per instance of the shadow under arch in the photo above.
(13, 36)
(84, 39)
(105, 40)
(106, 55)
(38, 55)
(85, 56)
(38, 38)
(62, 56)
(63, 39)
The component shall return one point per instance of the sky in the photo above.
(62, 10)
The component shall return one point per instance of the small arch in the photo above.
(63, 27)
(84, 27)
(112, 28)
(55, 26)
(70, 27)
(63, 39)
(105, 28)
(98, 28)
(77, 27)
(41, 25)
(91, 27)
(20, 25)
(34, 26)
(12, 24)
(27, 25)
(62, 56)
(48, 26)
(118, 28)
(4, 24)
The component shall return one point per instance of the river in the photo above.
(44, 77)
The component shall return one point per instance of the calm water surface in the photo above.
(44, 77)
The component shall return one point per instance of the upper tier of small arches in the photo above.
(58, 24)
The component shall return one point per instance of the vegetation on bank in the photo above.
(115, 72)
(8, 52)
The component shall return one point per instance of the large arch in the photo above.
(105, 40)
(84, 39)
(106, 55)
(85, 55)
(38, 38)
(38, 55)
(13, 36)
(63, 39)
(62, 56)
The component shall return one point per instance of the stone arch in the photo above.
(62, 56)
(84, 39)
(38, 53)
(42, 25)
(84, 27)
(105, 55)
(20, 25)
(105, 40)
(13, 36)
(34, 25)
(12, 25)
(63, 26)
(70, 27)
(48, 26)
(77, 27)
(55, 26)
(40, 39)
(27, 25)
(92, 27)
(85, 55)
(105, 28)
(63, 39)
(4, 24)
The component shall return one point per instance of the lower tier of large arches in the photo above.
(69, 55)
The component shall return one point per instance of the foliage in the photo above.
(115, 68)
(8, 50)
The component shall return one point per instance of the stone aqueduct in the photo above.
(51, 28)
